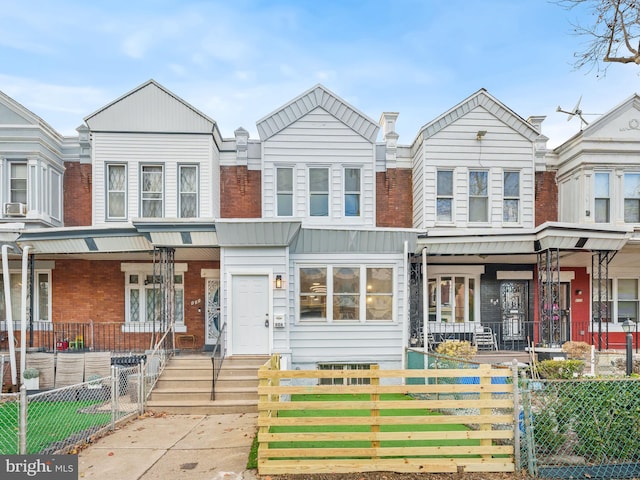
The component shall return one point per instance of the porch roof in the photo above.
(256, 233)
(550, 235)
(323, 240)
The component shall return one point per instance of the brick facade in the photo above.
(394, 198)
(546, 197)
(240, 192)
(77, 194)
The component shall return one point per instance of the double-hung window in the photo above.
(319, 192)
(116, 191)
(632, 197)
(352, 191)
(18, 182)
(602, 198)
(152, 194)
(511, 197)
(444, 201)
(188, 195)
(478, 196)
(284, 191)
(144, 298)
(346, 293)
(41, 296)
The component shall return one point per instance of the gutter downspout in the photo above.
(425, 295)
(8, 311)
(406, 316)
(23, 317)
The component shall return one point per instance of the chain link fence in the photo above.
(583, 428)
(54, 420)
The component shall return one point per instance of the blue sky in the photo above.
(239, 60)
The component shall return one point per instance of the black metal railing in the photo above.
(217, 357)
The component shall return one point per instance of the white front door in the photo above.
(212, 312)
(250, 314)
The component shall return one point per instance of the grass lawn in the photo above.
(422, 427)
(47, 423)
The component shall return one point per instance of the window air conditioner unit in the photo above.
(15, 209)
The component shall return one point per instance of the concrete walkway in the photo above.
(208, 447)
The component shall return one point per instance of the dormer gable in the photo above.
(317, 97)
(480, 99)
(150, 108)
(13, 113)
(622, 122)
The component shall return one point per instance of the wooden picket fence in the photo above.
(471, 421)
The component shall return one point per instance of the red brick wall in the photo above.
(84, 290)
(546, 197)
(240, 192)
(77, 194)
(394, 198)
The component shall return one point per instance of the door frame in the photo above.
(206, 275)
(229, 274)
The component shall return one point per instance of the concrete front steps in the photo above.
(185, 385)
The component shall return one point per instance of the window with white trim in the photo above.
(602, 200)
(18, 182)
(511, 197)
(116, 191)
(144, 298)
(346, 293)
(478, 196)
(319, 192)
(188, 191)
(444, 193)
(41, 296)
(284, 191)
(152, 191)
(452, 298)
(352, 192)
(632, 197)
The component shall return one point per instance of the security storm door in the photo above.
(212, 321)
(250, 314)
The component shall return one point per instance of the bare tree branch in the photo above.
(613, 31)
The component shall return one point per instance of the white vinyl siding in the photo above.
(454, 147)
(319, 140)
(170, 151)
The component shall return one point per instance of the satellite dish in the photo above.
(576, 111)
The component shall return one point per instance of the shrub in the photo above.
(31, 373)
(455, 348)
(560, 369)
(576, 350)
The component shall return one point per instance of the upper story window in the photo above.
(444, 202)
(511, 197)
(602, 202)
(284, 191)
(151, 193)
(18, 182)
(188, 194)
(632, 197)
(339, 293)
(319, 192)
(478, 196)
(352, 192)
(116, 191)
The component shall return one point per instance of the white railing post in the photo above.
(115, 383)
(22, 422)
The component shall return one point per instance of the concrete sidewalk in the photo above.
(208, 447)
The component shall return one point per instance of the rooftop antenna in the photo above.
(576, 111)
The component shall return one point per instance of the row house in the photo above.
(325, 239)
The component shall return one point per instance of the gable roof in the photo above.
(150, 108)
(483, 99)
(13, 113)
(631, 103)
(317, 97)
